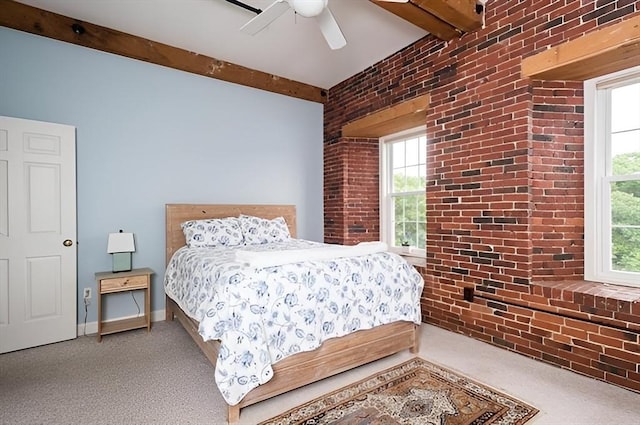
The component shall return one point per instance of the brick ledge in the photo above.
(597, 303)
(596, 289)
(601, 303)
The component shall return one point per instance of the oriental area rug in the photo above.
(414, 393)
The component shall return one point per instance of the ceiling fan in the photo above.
(317, 9)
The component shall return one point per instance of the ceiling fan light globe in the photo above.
(308, 8)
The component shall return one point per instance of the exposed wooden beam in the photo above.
(445, 19)
(58, 27)
(403, 116)
(421, 18)
(610, 49)
(460, 14)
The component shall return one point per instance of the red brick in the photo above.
(586, 353)
(575, 333)
(606, 341)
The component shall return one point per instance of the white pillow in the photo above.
(212, 232)
(257, 231)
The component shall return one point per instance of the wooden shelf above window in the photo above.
(610, 49)
(403, 116)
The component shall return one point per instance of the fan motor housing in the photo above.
(308, 8)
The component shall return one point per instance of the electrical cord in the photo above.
(86, 310)
(135, 301)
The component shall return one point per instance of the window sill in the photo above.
(414, 260)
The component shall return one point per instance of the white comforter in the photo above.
(264, 314)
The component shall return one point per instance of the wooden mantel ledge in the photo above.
(609, 49)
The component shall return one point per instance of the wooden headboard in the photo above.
(176, 214)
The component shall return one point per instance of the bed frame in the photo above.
(334, 356)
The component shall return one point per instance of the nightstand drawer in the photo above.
(118, 284)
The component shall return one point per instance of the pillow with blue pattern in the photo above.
(213, 232)
(258, 231)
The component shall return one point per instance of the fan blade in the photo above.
(330, 29)
(267, 16)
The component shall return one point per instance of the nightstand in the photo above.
(111, 283)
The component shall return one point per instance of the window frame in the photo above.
(597, 208)
(386, 176)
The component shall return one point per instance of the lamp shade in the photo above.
(120, 242)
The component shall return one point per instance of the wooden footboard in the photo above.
(334, 356)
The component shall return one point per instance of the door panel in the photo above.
(43, 288)
(43, 198)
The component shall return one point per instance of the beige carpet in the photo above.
(415, 392)
(161, 377)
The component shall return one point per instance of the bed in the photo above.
(333, 356)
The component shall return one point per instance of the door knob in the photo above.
(67, 242)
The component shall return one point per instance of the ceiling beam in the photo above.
(459, 13)
(30, 19)
(445, 19)
(420, 18)
(606, 50)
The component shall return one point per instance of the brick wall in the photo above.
(352, 197)
(557, 183)
(504, 191)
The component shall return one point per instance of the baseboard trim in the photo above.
(91, 328)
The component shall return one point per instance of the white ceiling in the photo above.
(291, 47)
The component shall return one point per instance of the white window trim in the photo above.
(597, 250)
(385, 213)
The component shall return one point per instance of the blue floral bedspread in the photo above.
(262, 315)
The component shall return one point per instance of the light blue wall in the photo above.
(149, 135)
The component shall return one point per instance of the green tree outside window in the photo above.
(625, 214)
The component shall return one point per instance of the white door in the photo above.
(37, 233)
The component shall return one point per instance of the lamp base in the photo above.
(121, 261)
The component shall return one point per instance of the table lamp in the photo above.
(120, 246)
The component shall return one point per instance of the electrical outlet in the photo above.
(87, 293)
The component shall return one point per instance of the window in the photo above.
(403, 176)
(612, 178)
